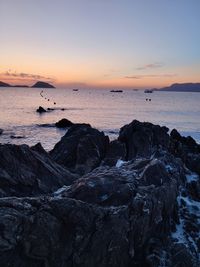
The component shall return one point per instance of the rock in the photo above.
(64, 123)
(1, 131)
(155, 173)
(13, 136)
(116, 151)
(41, 110)
(104, 186)
(142, 138)
(81, 149)
(187, 149)
(144, 212)
(28, 171)
(131, 227)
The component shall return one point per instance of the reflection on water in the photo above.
(102, 109)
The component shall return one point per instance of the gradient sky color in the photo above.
(100, 43)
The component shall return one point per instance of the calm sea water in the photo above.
(102, 109)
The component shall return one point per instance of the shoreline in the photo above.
(117, 203)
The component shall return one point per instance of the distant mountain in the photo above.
(182, 87)
(2, 84)
(20, 85)
(42, 85)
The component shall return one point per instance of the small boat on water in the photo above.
(116, 91)
(148, 91)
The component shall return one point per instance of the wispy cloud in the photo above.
(151, 66)
(27, 76)
(151, 76)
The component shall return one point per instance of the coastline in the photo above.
(122, 202)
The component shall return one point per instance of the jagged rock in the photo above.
(41, 110)
(142, 138)
(116, 151)
(82, 148)
(64, 123)
(104, 186)
(144, 211)
(187, 149)
(29, 172)
(62, 231)
(1, 131)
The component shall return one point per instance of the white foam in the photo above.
(120, 163)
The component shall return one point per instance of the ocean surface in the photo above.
(104, 110)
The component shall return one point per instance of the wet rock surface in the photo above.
(134, 201)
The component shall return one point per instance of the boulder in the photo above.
(41, 110)
(143, 138)
(26, 171)
(1, 131)
(81, 149)
(64, 123)
(185, 148)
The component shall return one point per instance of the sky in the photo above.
(100, 43)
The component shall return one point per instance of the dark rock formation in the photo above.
(29, 172)
(82, 148)
(40, 84)
(140, 212)
(64, 123)
(116, 151)
(142, 139)
(187, 149)
(41, 110)
(1, 131)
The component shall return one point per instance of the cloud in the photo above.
(151, 66)
(23, 75)
(151, 76)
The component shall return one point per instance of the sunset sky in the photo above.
(100, 43)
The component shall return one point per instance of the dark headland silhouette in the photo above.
(182, 87)
(38, 84)
(2, 84)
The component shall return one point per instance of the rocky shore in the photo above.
(131, 202)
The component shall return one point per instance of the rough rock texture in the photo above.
(143, 138)
(144, 212)
(187, 149)
(116, 151)
(29, 172)
(82, 148)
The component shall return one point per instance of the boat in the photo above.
(148, 91)
(116, 91)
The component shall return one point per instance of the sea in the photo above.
(107, 111)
